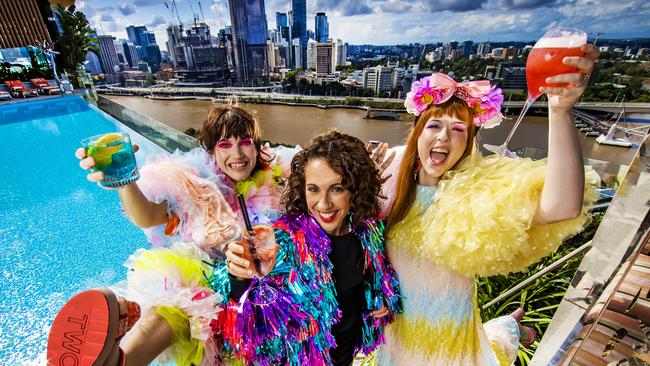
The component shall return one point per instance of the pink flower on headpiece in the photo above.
(438, 88)
(487, 108)
(422, 95)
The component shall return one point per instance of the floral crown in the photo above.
(484, 100)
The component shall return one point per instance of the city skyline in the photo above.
(395, 21)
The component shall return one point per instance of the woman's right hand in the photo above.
(88, 163)
(236, 264)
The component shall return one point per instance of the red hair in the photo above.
(405, 192)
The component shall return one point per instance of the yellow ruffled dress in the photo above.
(478, 221)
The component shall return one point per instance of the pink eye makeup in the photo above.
(247, 141)
(459, 127)
(223, 144)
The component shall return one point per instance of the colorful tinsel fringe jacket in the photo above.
(296, 328)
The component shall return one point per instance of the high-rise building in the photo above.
(324, 64)
(136, 35)
(483, 48)
(512, 74)
(107, 53)
(299, 28)
(311, 54)
(467, 48)
(296, 52)
(148, 38)
(322, 28)
(131, 53)
(270, 49)
(380, 79)
(25, 22)
(153, 57)
(510, 52)
(249, 25)
(281, 21)
(340, 53)
(93, 65)
(173, 40)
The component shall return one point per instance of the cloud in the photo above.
(156, 21)
(126, 9)
(395, 6)
(523, 4)
(147, 2)
(344, 7)
(451, 5)
(106, 18)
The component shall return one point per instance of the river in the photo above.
(297, 124)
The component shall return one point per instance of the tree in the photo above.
(77, 38)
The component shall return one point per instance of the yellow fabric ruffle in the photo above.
(185, 350)
(481, 220)
(260, 178)
(188, 270)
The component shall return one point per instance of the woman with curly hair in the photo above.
(336, 288)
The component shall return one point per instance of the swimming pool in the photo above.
(59, 234)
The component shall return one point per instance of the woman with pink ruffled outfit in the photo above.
(186, 204)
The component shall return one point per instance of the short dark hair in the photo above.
(226, 121)
(348, 157)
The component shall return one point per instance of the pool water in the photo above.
(59, 233)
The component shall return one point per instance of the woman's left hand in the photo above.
(563, 98)
(380, 313)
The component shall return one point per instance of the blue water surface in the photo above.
(59, 233)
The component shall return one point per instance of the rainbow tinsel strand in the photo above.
(296, 328)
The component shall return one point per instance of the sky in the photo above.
(396, 21)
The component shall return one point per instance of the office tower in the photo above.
(249, 27)
(281, 21)
(324, 59)
(380, 79)
(136, 35)
(153, 57)
(299, 28)
(340, 55)
(483, 48)
(467, 48)
(322, 28)
(93, 65)
(131, 53)
(173, 40)
(107, 53)
(311, 54)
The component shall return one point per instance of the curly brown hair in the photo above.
(229, 120)
(348, 157)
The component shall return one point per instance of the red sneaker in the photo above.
(88, 328)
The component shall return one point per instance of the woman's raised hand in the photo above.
(378, 156)
(563, 98)
(88, 163)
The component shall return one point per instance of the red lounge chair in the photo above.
(17, 87)
(44, 86)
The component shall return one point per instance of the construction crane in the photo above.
(173, 8)
(202, 15)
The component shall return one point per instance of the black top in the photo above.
(238, 286)
(347, 257)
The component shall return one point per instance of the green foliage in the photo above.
(76, 41)
(192, 132)
(540, 299)
(10, 71)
